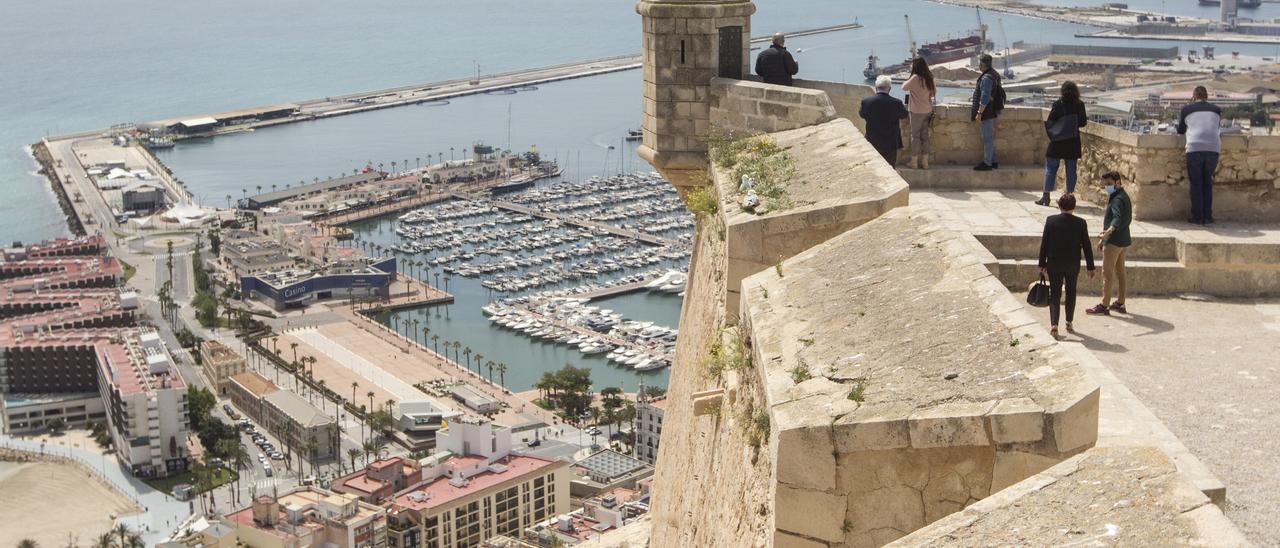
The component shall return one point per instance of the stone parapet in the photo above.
(877, 436)
(1020, 136)
(1246, 186)
(840, 183)
(744, 107)
(1104, 497)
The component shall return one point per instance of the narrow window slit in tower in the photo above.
(682, 52)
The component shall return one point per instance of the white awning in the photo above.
(206, 121)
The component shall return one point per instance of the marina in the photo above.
(543, 265)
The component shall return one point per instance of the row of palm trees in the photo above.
(460, 351)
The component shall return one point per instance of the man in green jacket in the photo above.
(1113, 243)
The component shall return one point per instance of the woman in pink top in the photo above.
(920, 92)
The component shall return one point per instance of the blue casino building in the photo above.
(299, 287)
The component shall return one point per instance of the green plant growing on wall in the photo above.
(858, 393)
(702, 201)
(800, 373)
(759, 157)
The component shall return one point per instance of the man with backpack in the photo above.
(988, 101)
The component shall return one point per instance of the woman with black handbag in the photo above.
(1065, 238)
(1063, 127)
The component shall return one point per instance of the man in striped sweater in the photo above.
(1200, 122)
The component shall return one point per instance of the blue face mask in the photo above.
(1111, 189)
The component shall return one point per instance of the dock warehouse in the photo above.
(211, 122)
(296, 288)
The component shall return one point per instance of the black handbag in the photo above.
(1038, 293)
(1063, 129)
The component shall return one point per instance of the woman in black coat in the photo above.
(1067, 150)
(1066, 237)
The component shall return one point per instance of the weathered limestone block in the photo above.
(1106, 496)
(840, 183)
(925, 422)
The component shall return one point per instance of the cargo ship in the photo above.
(936, 52)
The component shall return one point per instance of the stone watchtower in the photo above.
(686, 44)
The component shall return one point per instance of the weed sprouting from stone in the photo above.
(846, 527)
(858, 393)
(1013, 342)
(778, 268)
(800, 373)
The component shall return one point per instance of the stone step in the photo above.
(1008, 177)
(1156, 277)
(1026, 246)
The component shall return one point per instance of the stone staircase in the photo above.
(1157, 265)
(1008, 177)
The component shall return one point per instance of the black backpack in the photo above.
(997, 94)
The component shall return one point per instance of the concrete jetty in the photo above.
(430, 92)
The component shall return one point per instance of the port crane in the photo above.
(911, 41)
(1008, 72)
(982, 29)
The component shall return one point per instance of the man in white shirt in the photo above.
(1200, 122)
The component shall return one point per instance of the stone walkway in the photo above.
(1208, 370)
(1013, 212)
(1204, 367)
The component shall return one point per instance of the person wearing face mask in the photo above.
(1114, 242)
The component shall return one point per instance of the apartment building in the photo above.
(66, 339)
(474, 489)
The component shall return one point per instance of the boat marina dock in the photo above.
(601, 227)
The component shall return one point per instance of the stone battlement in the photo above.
(904, 382)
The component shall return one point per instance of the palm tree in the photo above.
(294, 346)
(124, 531)
(352, 454)
(467, 353)
(368, 448)
(362, 423)
(435, 339)
(241, 459)
(324, 395)
(456, 346)
(104, 540)
(425, 331)
(502, 375)
(366, 417)
(490, 365)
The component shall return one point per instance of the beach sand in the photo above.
(45, 501)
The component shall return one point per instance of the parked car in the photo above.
(266, 468)
(277, 455)
(535, 443)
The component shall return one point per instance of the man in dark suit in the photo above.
(1066, 237)
(883, 113)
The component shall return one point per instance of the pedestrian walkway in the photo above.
(401, 390)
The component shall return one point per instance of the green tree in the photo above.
(28, 543)
(352, 454)
(200, 403)
(56, 425)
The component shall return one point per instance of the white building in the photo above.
(146, 400)
(648, 428)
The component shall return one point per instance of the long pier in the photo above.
(443, 90)
(526, 210)
(616, 290)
